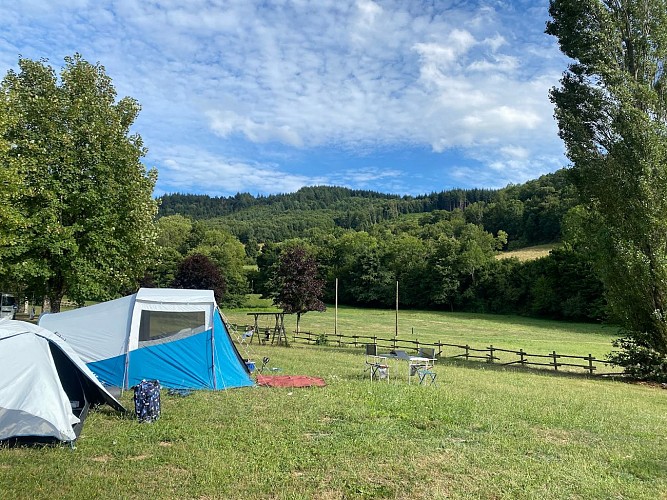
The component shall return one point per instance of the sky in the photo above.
(406, 97)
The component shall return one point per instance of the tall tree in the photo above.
(297, 285)
(199, 272)
(227, 252)
(85, 208)
(611, 109)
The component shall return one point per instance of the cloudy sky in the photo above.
(396, 96)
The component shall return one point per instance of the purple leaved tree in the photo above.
(296, 283)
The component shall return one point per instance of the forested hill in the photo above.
(531, 213)
(318, 198)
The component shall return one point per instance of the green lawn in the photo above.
(482, 432)
(535, 336)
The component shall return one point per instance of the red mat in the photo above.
(290, 381)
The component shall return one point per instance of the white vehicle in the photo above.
(8, 306)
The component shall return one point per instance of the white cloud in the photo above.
(345, 74)
(187, 170)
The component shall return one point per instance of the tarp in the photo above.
(290, 381)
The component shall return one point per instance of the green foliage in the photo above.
(174, 232)
(441, 260)
(198, 272)
(612, 113)
(178, 237)
(229, 256)
(639, 360)
(297, 287)
(529, 213)
(81, 221)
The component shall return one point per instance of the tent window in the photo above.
(157, 325)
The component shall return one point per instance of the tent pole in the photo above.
(126, 372)
(215, 382)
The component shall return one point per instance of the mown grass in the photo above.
(535, 336)
(481, 432)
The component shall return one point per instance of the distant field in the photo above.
(478, 330)
(528, 253)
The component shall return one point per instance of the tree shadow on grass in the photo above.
(536, 370)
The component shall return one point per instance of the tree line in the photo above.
(448, 264)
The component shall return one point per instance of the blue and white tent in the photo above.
(175, 336)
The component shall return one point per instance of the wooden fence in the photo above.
(489, 354)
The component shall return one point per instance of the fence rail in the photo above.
(490, 354)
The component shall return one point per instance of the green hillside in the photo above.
(530, 213)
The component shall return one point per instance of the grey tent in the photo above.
(45, 388)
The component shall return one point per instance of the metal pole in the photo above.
(336, 311)
(396, 332)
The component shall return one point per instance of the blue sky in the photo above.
(404, 97)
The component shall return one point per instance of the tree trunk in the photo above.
(55, 302)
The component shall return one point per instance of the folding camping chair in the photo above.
(246, 337)
(376, 364)
(425, 368)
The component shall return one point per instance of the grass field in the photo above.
(528, 253)
(482, 432)
(477, 330)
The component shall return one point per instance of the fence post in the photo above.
(393, 343)
(467, 352)
(590, 364)
(553, 354)
(439, 348)
(355, 339)
(523, 357)
(489, 359)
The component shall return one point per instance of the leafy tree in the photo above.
(373, 281)
(444, 279)
(611, 109)
(297, 285)
(228, 254)
(407, 259)
(251, 250)
(12, 221)
(266, 262)
(195, 238)
(162, 272)
(174, 231)
(198, 272)
(83, 217)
